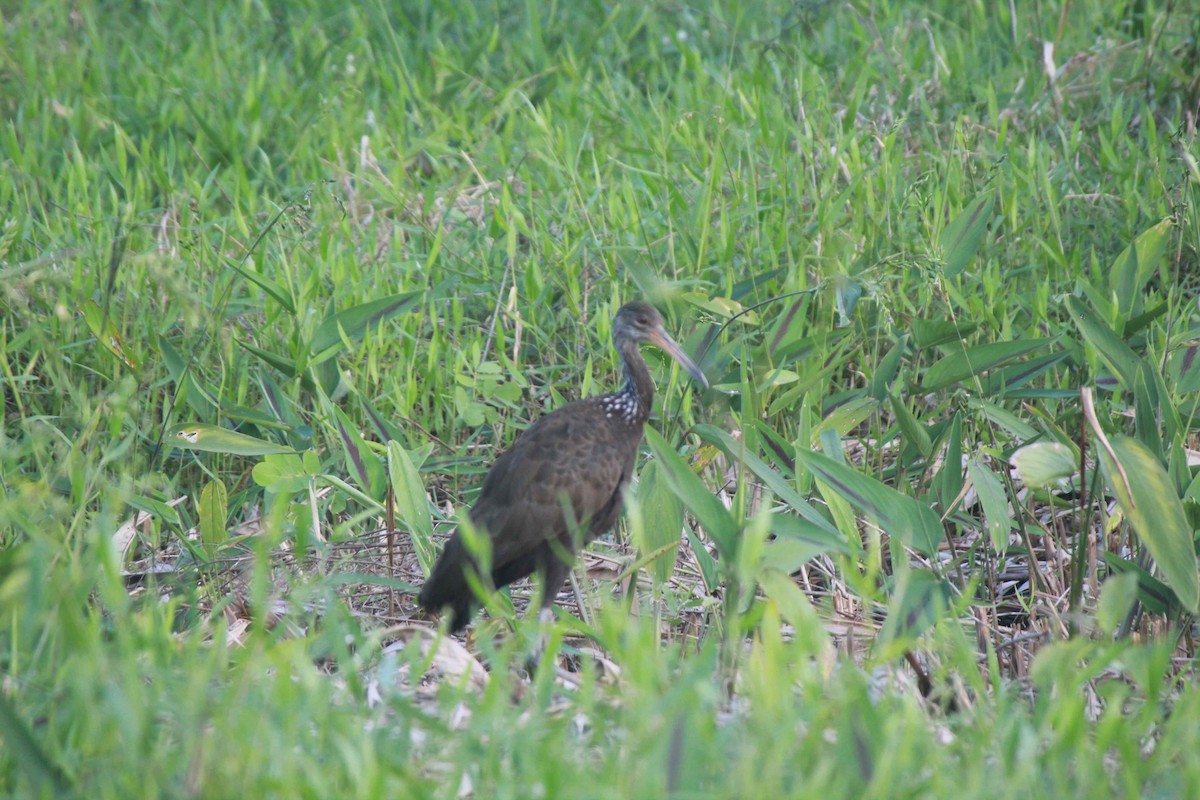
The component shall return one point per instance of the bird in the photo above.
(564, 475)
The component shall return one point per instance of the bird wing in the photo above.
(570, 455)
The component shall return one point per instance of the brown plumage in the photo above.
(583, 455)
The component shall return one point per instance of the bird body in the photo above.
(563, 477)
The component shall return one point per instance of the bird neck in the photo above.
(639, 386)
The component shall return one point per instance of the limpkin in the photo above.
(566, 473)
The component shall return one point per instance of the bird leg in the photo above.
(544, 617)
(554, 574)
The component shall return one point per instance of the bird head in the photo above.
(641, 322)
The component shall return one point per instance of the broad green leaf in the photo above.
(387, 431)
(779, 453)
(960, 239)
(659, 524)
(361, 462)
(171, 356)
(932, 332)
(1112, 349)
(1172, 425)
(1135, 266)
(1044, 464)
(963, 363)
(838, 507)
(787, 400)
(254, 416)
(921, 599)
(215, 439)
(714, 518)
(794, 605)
(355, 322)
(778, 377)
(991, 494)
(786, 336)
(797, 541)
(105, 331)
(1019, 429)
(197, 399)
(1117, 596)
(1122, 282)
(281, 409)
(1193, 490)
(412, 504)
(214, 512)
(1143, 320)
(846, 417)
(351, 491)
(273, 289)
(1155, 595)
(782, 488)
(887, 369)
(912, 430)
(1099, 298)
(750, 284)
(1146, 496)
(1146, 412)
(1178, 469)
(281, 474)
(899, 515)
(949, 478)
(164, 511)
(1007, 379)
(1185, 368)
(725, 307)
(285, 365)
(704, 560)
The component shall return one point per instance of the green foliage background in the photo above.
(329, 226)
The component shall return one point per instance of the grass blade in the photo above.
(967, 362)
(356, 321)
(1112, 349)
(214, 512)
(105, 330)
(960, 239)
(1135, 265)
(658, 523)
(911, 521)
(996, 516)
(1156, 513)
(412, 504)
(920, 600)
(714, 518)
(361, 461)
(774, 481)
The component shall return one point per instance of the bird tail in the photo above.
(447, 585)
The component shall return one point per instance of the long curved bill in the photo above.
(669, 346)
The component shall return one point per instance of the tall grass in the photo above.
(245, 247)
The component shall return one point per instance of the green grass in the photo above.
(929, 234)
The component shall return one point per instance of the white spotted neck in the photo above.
(623, 405)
